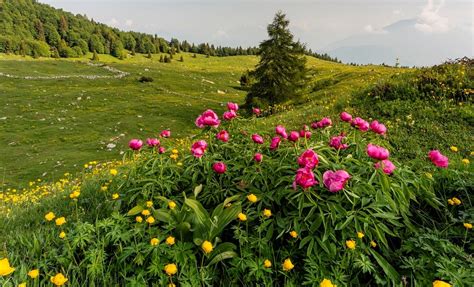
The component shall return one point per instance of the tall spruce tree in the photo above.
(281, 73)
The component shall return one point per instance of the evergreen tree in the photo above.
(181, 59)
(281, 73)
(95, 56)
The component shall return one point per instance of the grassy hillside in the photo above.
(57, 125)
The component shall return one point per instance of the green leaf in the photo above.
(222, 256)
(197, 190)
(387, 268)
(136, 210)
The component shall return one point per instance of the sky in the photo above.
(418, 32)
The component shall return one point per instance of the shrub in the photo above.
(145, 79)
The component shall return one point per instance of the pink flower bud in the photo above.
(223, 136)
(219, 167)
(135, 144)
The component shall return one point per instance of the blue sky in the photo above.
(324, 25)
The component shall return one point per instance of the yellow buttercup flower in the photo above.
(242, 217)
(171, 204)
(467, 225)
(252, 198)
(326, 283)
(439, 283)
(33, 273)
(146, 212)
(456, 201)
(154, 241)
(22, 284)
(104, 188)
(113, 172)
(149, 204)
(351, 244)
(170, 240)
(58, 279)
(139, 219)
(171, 285)
(465, 161)
(5, 268)
(288, 265)
(174, 156)
(207, 247)
(174, 151)
(453, 148)
(115, 196)
(150, 220)
(62, 235)
(267, 212)
(360, 234)
(450, 202)
(171, 269)
(373, 244)
(294, 234)
(75, 194)
(49, 216)
(267, 263)
(60, 221)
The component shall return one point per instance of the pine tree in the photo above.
(95, 56)
(281, 73)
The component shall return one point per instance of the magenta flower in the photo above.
(256, 111)
(232, 106)
(198, 148)
(152, 142)
(208, 118)
(387, 166)
(335, 181)
(346, 117)
(165, 134)
(294, 136)
(360, 124)
(258, 157)
(161, 150)
(280, 130)
(377, 152)
(378, 128)
(336, 142)
(229, 115)
(219, 167)
(325, 122)
(223, 136)
(308, 159)
(304, 178)
(438, 159)
(135, 144)
(305, 134)
(275, 143)
(257, 139)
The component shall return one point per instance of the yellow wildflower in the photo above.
(439, 283)
(465, 161)
(373, 244)
(154, 241)
(467, 225)
(174, 156)
(174, 151)
(456, 201)
(326, 283)
(149, 204)
(450, 202)
(171, 285)
(294, 234)
(115, 196)
(171, 204)
(58, 279)
(170, 240)
(242, 217)
(62, 235)
(360, 234)
(267, 212)
(146, 212)
(5, 268)
(287, 265)
(351, 244)
(267, 263)
(103, 188)
(22, 284)
(150, 220)
(171, 269)
(49, 216)
(252, 198)
(453, 148)
(60, 221)
(207, 247)
(75, 194)
(113, 172)
(33, 273)
(139, 219)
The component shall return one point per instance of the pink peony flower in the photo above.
(256, 111)
(304, 178)
(232, 106)
(135, 144)
(208, 118)
(165, 134)
(378, 128)
(223, 136)
(198, 148)
(335, 181)
(161, 150)
(257, 139)
(152, 142)
(346, 117)
(308, 159)
(305, 134)
(219, 167)
(325, 122)
(377, 152)
(275, 143)
(294, 136)
(387, 166)
(258, 157)
(438, 159)
(280, 130)
(360, 124)
(229, 115)
(336, 142)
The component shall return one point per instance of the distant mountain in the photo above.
(398, 41)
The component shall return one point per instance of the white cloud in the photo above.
(429, 20)
(113, 22)
(397, 12)
(129, 23)
(370, 29)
